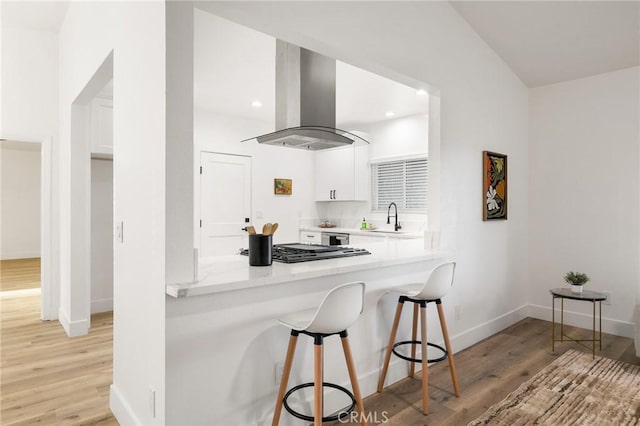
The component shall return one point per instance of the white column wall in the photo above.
(29, 111)
(135, 31)
(584, 194)
(179, 153)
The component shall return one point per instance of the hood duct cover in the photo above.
(305, 101)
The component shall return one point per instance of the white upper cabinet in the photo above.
(102, 127)
(341, 174)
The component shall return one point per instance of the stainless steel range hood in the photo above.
(305, 102)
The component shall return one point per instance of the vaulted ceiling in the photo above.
(546, 42)
(543, 42)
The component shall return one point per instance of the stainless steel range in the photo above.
(295, 252)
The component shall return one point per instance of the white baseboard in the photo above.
(75, 328)
(121, 409)
(20, 255)
(576, 319)
(101, 305)
(489, 328)
(14, 294)
(637, 327)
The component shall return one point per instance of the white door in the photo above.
(225, 203)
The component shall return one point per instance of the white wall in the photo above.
(20, 207)
(398, 137)
(135, 31)
(584, 192)
(216, 133)
(29, 83)
(101, 236)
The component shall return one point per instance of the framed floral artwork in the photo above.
(282, 186)
(494, 185)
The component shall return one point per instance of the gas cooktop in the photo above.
(295, 252)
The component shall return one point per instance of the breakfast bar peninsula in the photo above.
(225, 347)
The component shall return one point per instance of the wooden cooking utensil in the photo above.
(266, 229)
(274, 227)
(251, 230)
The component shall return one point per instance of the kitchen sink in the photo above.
(385, 231)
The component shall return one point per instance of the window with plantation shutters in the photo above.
(401, 181)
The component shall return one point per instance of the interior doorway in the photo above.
(225, 203)
(91, 138)
(20, 253)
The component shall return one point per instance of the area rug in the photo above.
(573, 390)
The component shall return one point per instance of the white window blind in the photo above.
(404, 182)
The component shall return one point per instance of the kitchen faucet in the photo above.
(396, 226)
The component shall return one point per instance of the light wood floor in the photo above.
(45, 377)
(487, 372)
(19, 274)
(48, 378)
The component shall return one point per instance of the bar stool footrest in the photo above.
(418, 342)
(342, 414)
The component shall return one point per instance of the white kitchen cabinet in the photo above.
(341, 174)
(310, 237)
(102, 127)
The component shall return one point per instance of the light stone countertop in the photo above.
(367, 232)
(228, 273)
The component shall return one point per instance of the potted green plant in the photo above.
(577, 280)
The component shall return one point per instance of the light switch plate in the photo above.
(120, 232)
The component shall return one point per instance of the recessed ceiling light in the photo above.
(390, 113)
(421, 92)
(256, 104)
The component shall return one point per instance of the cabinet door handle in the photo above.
(334, 194)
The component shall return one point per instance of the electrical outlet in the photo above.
(152, 402)
(278, 370)
(457, 312)
(608, 301)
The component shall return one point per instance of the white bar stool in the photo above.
(339, 309)
(437, 285)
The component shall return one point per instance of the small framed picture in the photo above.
(282, 186)
(494, 186)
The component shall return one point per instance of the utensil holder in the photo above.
(260, 247)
